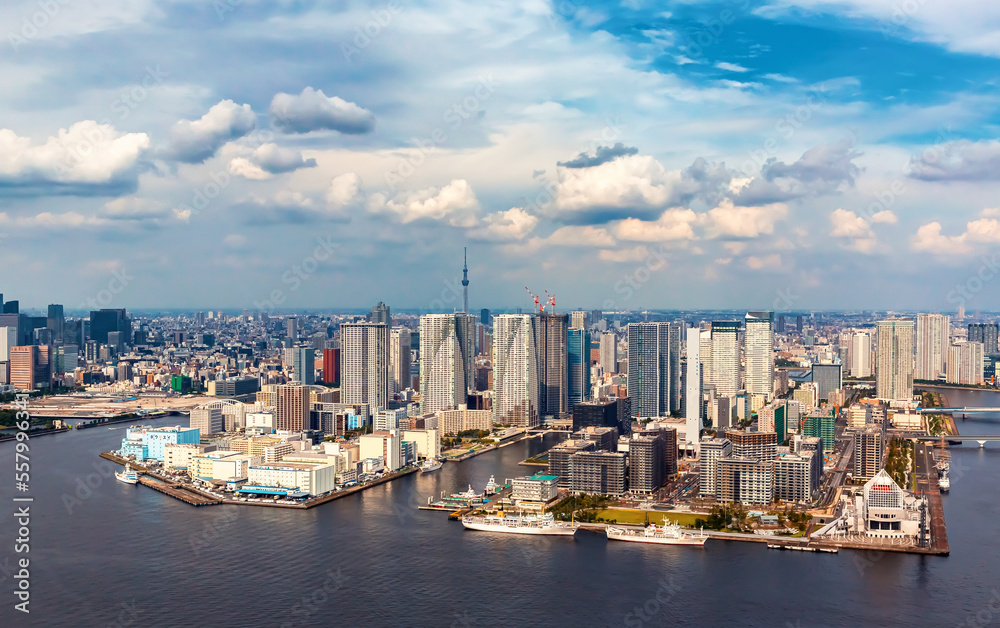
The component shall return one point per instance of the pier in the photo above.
(179, 491)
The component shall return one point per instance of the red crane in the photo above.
(535, 297)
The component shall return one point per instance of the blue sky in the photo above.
(792, 154)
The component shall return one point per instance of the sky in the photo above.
(288, 154)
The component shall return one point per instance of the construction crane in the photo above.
(550, 300)
(535, 297)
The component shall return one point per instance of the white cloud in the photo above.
(674, 224)
(766, 262)
(634, 254)
(885, 216)
(847, 224)
(234, 241)
(637, 182)
(729, 221)
(243, 167)
(512, 224)
(312, 110)
(197, 140)
(455, 203)
(345, 190)
(929, 239)
(581, 236)
(86, 154)
(731, 67)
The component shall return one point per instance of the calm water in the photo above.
(129, 556)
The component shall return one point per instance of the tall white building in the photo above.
(609, 353)
(705, 357)
(578, 320)
(399, 358)
(692, 389)
(861, 354)
(515, 370)
(965, 363)
(759, 343)
(8, 339)
(364, 364)
(932, 345)
(726, 357)
(442, 367)
(894, 359)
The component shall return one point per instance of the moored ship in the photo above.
(523, 524)
(668, 534)
(128, 475)
(430, 465)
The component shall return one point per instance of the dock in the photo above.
(179, 491)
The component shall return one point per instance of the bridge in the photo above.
(981, 439)
(957, 410)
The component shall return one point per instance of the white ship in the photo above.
(491, 486)
(128, 476)
(668, 534)
(944, 484)
(523, 524)
(430, 465)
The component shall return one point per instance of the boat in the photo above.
(944, 484)
(469, 494)
(669, 533)
(430, 465)
(128, 476)
(544, 524)
(491, 486)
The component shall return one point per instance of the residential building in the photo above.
(654, 368)
(646, 463)
(446, 360)
(965, 363)
(746, 480)
(725, 361)
(578, 343)
(795, 476)
(932, 345)
(515, 371)
(894, 359)
(561, 459)
(399, 359)
(364, 364)
(693, 412)
(712, 450)
(985, 333)
(759, 353)
(207, 419)
(292, 407)
(534, 491)
(595, 414)
(609, 353)
(754, 445)
(552, 351)
(869, 450)
(598, 473)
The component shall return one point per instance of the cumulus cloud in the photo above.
(194, 141)
(731, 221)
(276, 160)
(455, 204)
(633, 254)
(847, 224)
(585, 235)
(312, 110)
(961, 160)
(509, 225)
(86, 159)
(636, 186)
(885, 216)
(601, 155)
(344, 191)
(823, 169)
(673, 224)
(930, 239)
(769, 262)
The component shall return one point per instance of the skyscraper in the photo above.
(894, 359)
(932, 345)
(578, 320)
(692, 390)
(759, 345)
(726, 357)
(861, 354)
(484, 317)
(515, 370)
(579, 365)
(56, 322)
(553, 363)
(399, 359)
(105, 321)
(331, 366)
(304, 364)
(381, 314)
(609, 353)
(965, 363)
(291, 328)
(985, 333)
(292, 407)
(442, 367)
(364, 364)
(653, 368)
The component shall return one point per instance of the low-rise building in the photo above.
(533, 492)
(305, 478)
(561, 460)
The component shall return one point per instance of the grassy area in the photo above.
(638, 517)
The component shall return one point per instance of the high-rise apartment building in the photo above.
(646, 464)
(609, 353)
(726, 357)
(861, 354)
(578, 320)
(965, 363)
(442, 365)
(759, 350)
(692, 389)
(654, 368)
(515, 370)
(894, 359)
(932, 345)
(399, 359)
(304, 364)
(869, 448)
(745, 480)
(712, 450)
(985, 333)
(552, 347)
(331, 366)
(364, 364)
(292, 407)
(579, 365)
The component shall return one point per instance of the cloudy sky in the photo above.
(786, 154)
